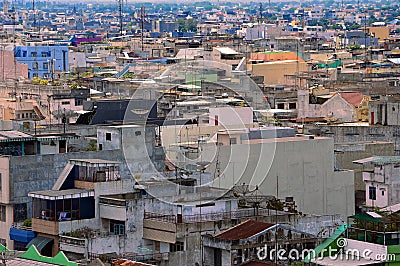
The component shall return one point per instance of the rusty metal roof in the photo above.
(244, 230)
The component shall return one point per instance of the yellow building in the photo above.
(276, 73)
(380, 32)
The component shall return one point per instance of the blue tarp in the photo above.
(20, 235)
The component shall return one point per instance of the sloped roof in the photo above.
(244, 230)
(275, 56)
(352, 97)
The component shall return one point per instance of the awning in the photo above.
(39, 242)
(62, 194)
(367, 217)
(20, 235)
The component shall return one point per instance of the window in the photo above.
(117, 227)
(216, 121)
(65, 102)
(232, 140)
(108, 136)
(372, 193)
(0, 183)
(44, 54)
(35, 65)
(292, 105)
(34, 54)
(100, 147)
(78, 102)
(45, 65)
(178, 246)
(2, 213)
(280, 106)
(383, 193)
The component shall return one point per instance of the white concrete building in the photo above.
(382, 184)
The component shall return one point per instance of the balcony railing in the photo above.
(73, 241)
(111, 201)
(21, 227)
(376, 237)
(209, 216)
(151, 257)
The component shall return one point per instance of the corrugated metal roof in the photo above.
(244, 230)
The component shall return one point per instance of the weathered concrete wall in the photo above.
(356, 133)
(346, 153)
(304, 169)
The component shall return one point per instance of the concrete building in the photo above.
(382, 184)
(346, 153)
(23, 174)
(303, 167)
(333, 107)
(277, 72)
(10, 68)
(241, 243)
(226, 55)
(43, 61)
(385, 112)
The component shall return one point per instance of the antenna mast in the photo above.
(120, 16)
(142, 23)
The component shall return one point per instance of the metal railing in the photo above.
(21, 227)
(151, 257)
(217, 216)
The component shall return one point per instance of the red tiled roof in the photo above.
(244, 230)
(352, 97)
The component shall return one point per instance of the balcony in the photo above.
(45, 226)
(112, 208)
(217, 216)
(21, 233)
(73, 244)
(373, 177)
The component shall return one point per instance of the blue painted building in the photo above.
(43, 61)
